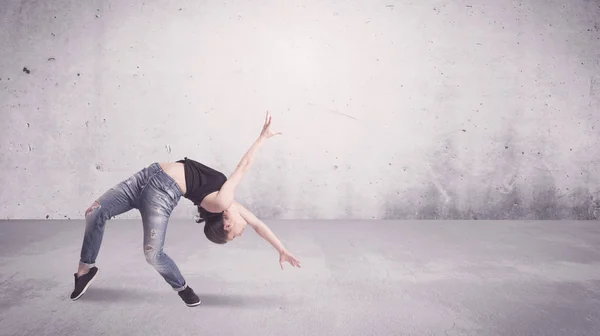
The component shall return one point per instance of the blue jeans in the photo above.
(155, 194)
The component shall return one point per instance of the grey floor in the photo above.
(358, 278)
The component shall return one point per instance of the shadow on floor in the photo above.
(99, 294)
(241, 301)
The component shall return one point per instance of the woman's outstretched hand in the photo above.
(266, 131)
(285, 256)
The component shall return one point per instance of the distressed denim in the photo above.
(155, 194)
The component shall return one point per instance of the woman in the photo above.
(155, 191)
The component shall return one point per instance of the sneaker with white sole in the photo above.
(189, 297)
(83, 282)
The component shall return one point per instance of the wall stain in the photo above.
(582, 201)
(594, 209)
(440, 198)
(594, 90)
(501, 206)
(397, 205)
(503, 201)
(430, 204)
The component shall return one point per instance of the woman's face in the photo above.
(233, 222)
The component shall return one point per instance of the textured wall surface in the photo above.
(390, 109)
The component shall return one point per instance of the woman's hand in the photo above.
(285, 256)
(266, 131)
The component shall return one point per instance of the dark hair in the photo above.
(213, 228)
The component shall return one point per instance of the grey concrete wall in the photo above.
(390, 109)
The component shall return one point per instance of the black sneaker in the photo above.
(189, 297)
(82, 283)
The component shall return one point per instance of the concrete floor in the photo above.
(358, 278)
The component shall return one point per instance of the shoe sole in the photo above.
(86, 286)
(193, 304)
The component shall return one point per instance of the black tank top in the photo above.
(200, 180)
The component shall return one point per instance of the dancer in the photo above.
(155, 191)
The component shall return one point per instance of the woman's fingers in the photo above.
(267, 127)
(267, 120)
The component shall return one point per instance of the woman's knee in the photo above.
(152, 254)
(96, 213)
(93, 208)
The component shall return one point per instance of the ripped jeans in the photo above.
(155, 194)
